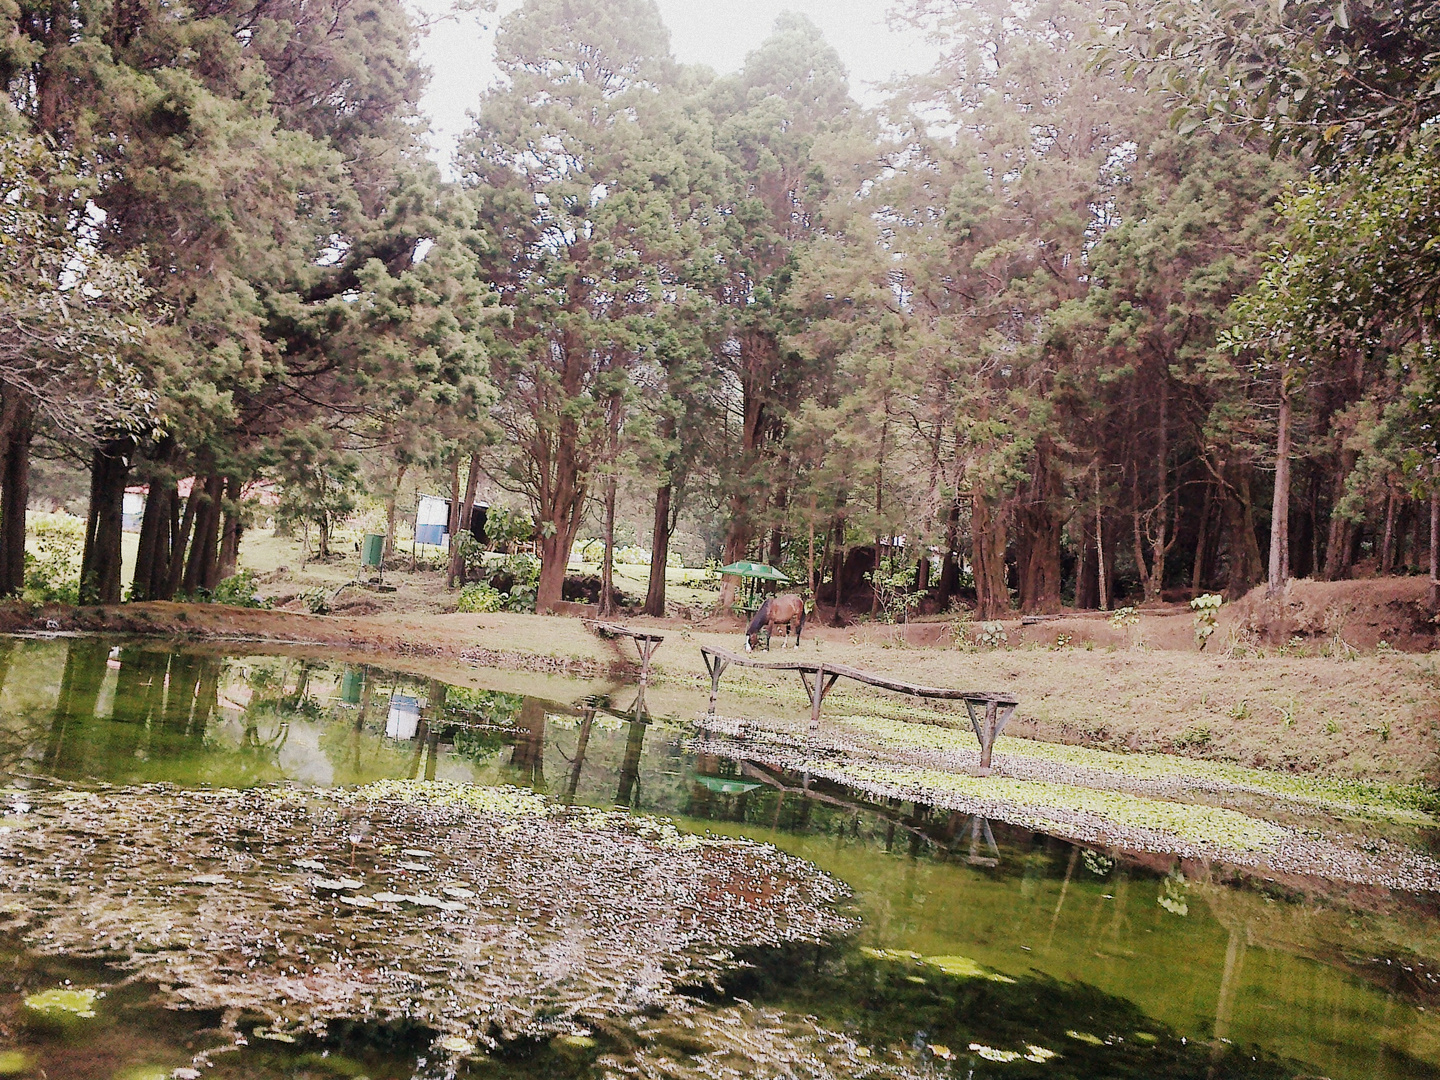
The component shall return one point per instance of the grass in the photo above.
(1373, 718)
(1200, 824)
(1406, 803)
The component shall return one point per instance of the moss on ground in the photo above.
(1404, 803)
(1209, 825)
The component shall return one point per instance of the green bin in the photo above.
(372, 548)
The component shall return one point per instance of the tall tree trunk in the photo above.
(810, 551)
(757, 353)
(607, 567)
(837, 548)
(1087, 567)
(950, 569)
(200, 567)
(1039, 530)
(554, 556)
(1102, 567)
(659, 552)
(154, 524)
(100, 564)
(231, 533)
(1279, 572)
(1243, 548)
(456, 574)
(1161, 539)
(180, 540)
(987, 532)
(1387, 543)
(1434, 594)
(1197, 567)
(17, 430)
(1339, 539)
(391, 503)
(152, 559)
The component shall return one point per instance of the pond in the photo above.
(974, 948)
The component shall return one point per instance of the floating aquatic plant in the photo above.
(512, 916)
(64, 1002)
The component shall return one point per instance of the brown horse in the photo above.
(787, 608)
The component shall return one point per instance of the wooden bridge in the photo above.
(989, 712)
(646, 642)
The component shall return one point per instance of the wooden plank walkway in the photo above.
(989, 711)
(646, 642)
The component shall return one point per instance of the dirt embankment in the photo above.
(559, 646)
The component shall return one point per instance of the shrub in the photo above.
(1206, 608)
(521, 598)
(892, 582)
(53, 575)
(238, 591)
(478, 596)
(524, 570)
(992, 635)
(316, 600)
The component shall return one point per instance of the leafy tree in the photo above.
(1334, 81)
(586, 183)
(71, 317)
(318, 483)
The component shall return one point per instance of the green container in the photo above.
(351, 683)
(372, 548)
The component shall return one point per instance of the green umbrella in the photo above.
(758, 570)
(724, 786)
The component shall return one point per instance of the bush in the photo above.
(316, 600)
(238, 591)
(53, 576)
(521, 598)
(479, 596)
(523, 570)
(632, 556)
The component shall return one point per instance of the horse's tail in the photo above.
(801, 628)
(761, 615)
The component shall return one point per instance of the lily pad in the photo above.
(338, 884)
(64, 1002)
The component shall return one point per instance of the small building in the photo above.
(432, 520)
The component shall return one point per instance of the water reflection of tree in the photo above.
(18, 733)
(163, 705)
(527, 757)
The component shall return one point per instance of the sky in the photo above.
(718, 34)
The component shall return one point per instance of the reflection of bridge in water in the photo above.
(436, 724)
(950, 832)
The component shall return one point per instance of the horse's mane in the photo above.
(758, 622)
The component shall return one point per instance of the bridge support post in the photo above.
(716, 666)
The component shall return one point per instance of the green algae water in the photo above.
(978, 949)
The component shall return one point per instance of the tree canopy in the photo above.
(1096, 310)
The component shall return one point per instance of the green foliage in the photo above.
(1331, 80)
(319, 483)
(991, 635)
(317, 600)
(478, 596)
(70, 316)
(1206, 608)
(894, 582)
(239, 590)
(524, 569)
(52, 575)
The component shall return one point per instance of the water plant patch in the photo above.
(484, 915)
